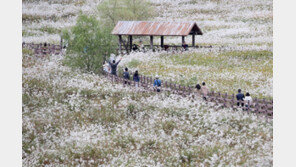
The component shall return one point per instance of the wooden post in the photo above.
(183, 39)
(119, 43)
(130, 42)
(190, 91)
(161, 41)
(61, 42)
(151, 42)
(141, 77)
(213, 93)
(193, 40)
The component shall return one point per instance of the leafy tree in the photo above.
(88, 44)
(111, 11)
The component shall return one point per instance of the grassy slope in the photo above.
(224, 71)
(72, 118)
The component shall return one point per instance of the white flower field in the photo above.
(74, 118)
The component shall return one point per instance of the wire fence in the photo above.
(43, 48)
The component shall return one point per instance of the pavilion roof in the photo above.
(156, 28)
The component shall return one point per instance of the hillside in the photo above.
(74, 118)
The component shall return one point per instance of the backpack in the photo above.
(126, 75)
(158, 83)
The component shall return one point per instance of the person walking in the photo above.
(126, 75)
(248, 100)
(157, 83)
(204, 90)
(240, 97)
(113, 66)
(198, 87)
(136, 78)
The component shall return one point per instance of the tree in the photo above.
(111, 11)
(88, 44)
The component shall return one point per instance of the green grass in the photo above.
(50, 30)
(192, 68)
(134, 63)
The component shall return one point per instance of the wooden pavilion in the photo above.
(154, 28)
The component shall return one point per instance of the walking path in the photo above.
(223, 100)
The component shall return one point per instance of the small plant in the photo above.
(168, 126)
(131, 111)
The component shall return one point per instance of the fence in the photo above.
(42, 49)
(222, 100)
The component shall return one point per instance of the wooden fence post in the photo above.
(226, 96)
(256, 100)
(189, 89)
(212, 93)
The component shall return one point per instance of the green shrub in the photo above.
(89, 43)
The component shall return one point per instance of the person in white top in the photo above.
(204, 90)
(248, 100)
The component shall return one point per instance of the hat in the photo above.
(156, 76)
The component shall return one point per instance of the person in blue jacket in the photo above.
(157, 83)
(240, 97)
(126, 75)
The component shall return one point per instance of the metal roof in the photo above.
(156, 28)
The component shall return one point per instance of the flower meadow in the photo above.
(242, 28)
(225, 71)
(71, 118)
(74, 118)
(232, 22)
